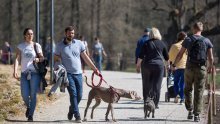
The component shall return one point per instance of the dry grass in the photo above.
(11, 103)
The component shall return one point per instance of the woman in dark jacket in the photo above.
(151, 62)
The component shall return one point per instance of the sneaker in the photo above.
(30, 118)
(70, 115)
(181, 102)
(78, 120)
(176, 100)
(190, 115)
(196, 118)
(27, 112)
(157, 107)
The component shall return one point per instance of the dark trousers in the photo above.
(152, 76)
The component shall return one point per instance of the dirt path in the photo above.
(126, 111)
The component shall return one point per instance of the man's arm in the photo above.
(210, 59)
(88, 61)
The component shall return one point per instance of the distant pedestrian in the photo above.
(180, 67)
(30, 78)
(199, 48)
(151, 63)
(82, 39)
(141, 42)
(68, 52)
(97, 52)
(6, 57)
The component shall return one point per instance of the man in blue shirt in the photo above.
(141, 42)
(68, 51)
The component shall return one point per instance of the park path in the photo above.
(126, 111)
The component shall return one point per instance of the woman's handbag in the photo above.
(41, 69)
(40, 66)
(164, 62)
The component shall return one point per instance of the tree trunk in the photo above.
(92, 22)
(98, 18)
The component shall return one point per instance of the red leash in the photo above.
(100, 81)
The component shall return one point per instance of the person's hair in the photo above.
(198, 26)
(96, 38)
(26, 30)
(155, 34)
(69, 28)
(181, 36)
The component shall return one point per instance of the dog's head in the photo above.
(134, 95)
(148, 100)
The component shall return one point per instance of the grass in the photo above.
(11, 103)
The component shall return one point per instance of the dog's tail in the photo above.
(87, 82)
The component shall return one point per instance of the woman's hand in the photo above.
(15, 75)
(138, 69)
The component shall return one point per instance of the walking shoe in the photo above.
(78, 119)
(30, 118)
(196, 118)
(70, 115)
(176, 99)
(190, 115)
(157, 107)
(27, 112)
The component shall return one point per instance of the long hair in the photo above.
(155, 34)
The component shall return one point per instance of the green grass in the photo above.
(217, 80)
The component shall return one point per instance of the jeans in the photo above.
(98, 62)
(75, 91)
(179, 83)
(29, 89)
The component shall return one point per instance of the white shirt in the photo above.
(27, 55)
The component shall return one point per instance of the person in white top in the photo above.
(81, 38)
(30, 78)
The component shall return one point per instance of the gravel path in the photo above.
(126, 111)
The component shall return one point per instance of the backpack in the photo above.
(197, 51)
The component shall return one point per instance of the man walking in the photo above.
(68, 51)
(141, 42)
(199, 49)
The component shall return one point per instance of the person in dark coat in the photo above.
(151, 63)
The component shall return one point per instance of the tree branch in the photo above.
(200, 14)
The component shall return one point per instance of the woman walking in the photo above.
(151, 63)
(30, 78)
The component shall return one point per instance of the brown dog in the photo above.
(109, 95)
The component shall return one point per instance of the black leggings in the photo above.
(152, 76)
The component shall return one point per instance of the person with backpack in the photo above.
(180, 67)
(141, 42)
(199, 50)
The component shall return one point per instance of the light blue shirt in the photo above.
(70, 55)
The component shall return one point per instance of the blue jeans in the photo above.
(75, 91)
(98, 62)
(179, 83)
(29, 89)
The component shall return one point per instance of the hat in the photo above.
(147, 30)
